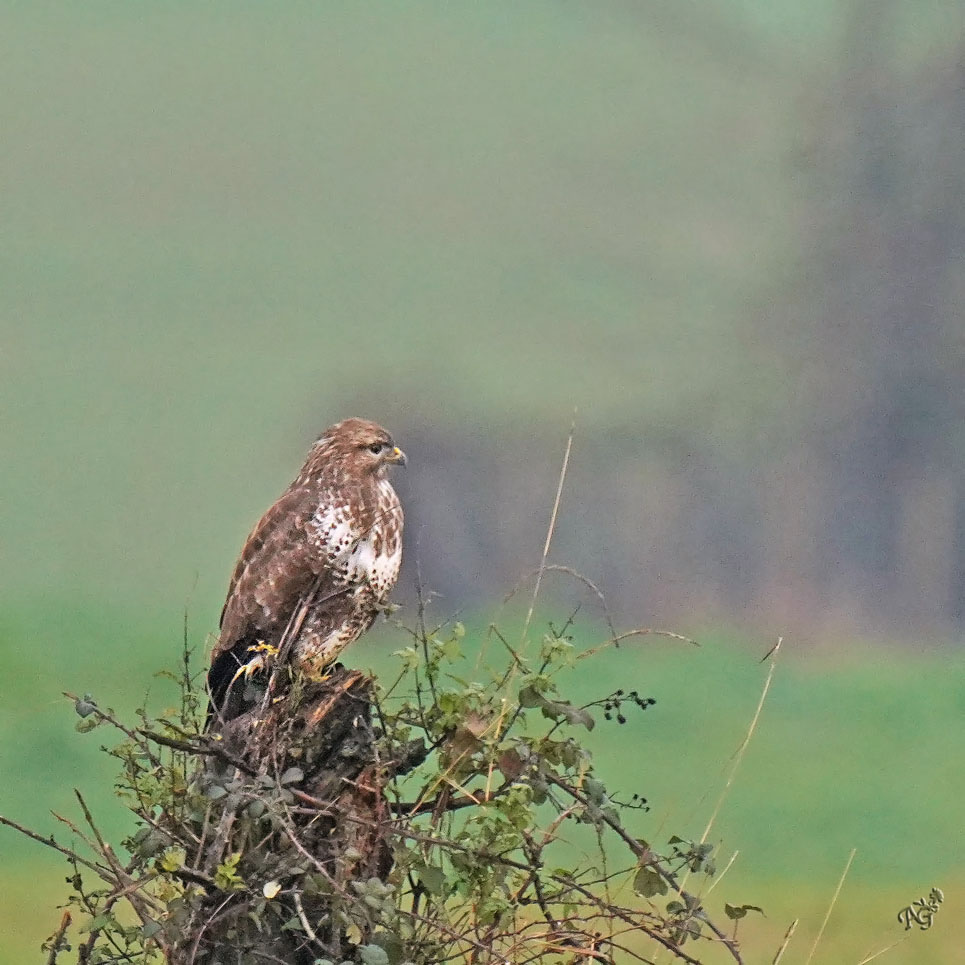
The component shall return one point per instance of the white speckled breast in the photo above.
(365, 562)
(332, 532)
(371, 560)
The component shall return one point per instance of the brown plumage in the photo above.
(333, 543)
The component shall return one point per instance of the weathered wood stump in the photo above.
(297, 815)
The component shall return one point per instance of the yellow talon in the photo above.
(252, 666)
(258, 662)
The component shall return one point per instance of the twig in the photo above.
(57, 938)
(90, 907)
(412, 808)
(787, 938)
(739, 754)
(518, 662)
(653, 933)
(303, 918)
(285, 644)
(639, 632)
(109, 718)
(577, 575)
(293, 837)
(641, 852)
(196, 944)
(106, 850)
(187, 874)
(100, 870)
(209, 748)
(834, 899)
(90, 844)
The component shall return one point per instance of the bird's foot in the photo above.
(247, 669)
(258, 662)
(319, 673)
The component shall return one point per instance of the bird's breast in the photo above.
(332, 532)
(367, 558)
(375, 561)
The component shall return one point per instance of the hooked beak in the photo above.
(397, 456)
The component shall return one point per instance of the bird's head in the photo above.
(360, 446)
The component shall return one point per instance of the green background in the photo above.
(223, 227)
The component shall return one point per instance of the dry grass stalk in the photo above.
(834, 900)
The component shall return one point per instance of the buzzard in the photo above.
(317, 568)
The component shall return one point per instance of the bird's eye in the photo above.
(376, 448)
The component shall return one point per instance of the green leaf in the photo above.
(551, 710)
(648, 883)
(391, 944)
(172, 858)
(85, 706)
(410, 657)
(585, 718)
(529, 697)
(431, 878)
(451, 649)
(573, 715)
(373, 955)
(98, 922)
(595, 790)
(227, 877)
(571, 754)
(739, 911)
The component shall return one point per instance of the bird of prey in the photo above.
(317, 568)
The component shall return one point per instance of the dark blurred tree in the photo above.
(819, 483)
(873, 340)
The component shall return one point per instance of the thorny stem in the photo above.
(57, 938)
(545, 912)
(641, 852)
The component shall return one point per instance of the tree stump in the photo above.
(297, 816)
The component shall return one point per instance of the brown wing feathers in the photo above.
(270, 579)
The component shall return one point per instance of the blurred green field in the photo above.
(224, 227)
(858, 754)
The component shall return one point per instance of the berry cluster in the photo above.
(636, 803)
(613, 705)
